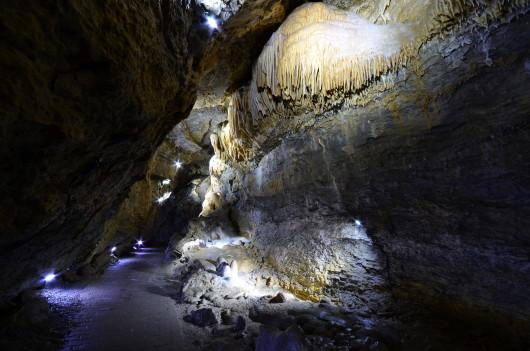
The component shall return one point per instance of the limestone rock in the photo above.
(241, 324)
(95, 97)
(271, 339)
(108, 82)
(227, 318)
(234, 267)
(413, 187)
(203, 317)
(279, 298)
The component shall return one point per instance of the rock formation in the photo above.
(429, 158)
(354, 150)
(91, 92)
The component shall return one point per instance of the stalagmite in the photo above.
(234, 267)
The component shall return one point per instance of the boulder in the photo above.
(271, 339)
(266, 314)
(227, 318)
(279, 298)
(203, 317)
(241, 324)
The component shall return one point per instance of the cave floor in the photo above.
(128, 307)
(136, 304)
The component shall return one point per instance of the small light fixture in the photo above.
(358, 222)
(177, 164)
(140, 242)
(113, 249)
(49, 277)
(166, 181)
(212, 22)
(164, 197)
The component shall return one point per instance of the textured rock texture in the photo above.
(241, 40)
(90, 89)
(244, 27)
(436, 169)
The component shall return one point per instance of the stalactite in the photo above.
(320, 50)
(322, 57)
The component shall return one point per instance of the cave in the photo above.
(265, 175)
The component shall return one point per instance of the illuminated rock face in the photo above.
(318, 58)
(320, 54)
(91, 91)
(430, 155)
(437, 170)
(324, 58)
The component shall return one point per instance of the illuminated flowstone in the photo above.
(321, 52)
(323, 57)
(319, 56)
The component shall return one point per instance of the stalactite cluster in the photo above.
(323, 57)
(239, 125)
(228, 145)
(321, 53)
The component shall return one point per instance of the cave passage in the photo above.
(129, 307)
(145, 301)
(269, 175)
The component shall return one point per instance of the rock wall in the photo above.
(437, 171)
(90, 90)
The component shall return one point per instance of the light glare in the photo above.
(164, 197)
(166, 181)
(358, 222)
(49, 277)
(211, 22)
(113, 249)
(140, 242)
(177, 164)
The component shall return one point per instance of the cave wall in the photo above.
(223, 57)
(436, 169)
(90, 90)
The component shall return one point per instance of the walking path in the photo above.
(129, 308)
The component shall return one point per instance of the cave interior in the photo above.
(265, 175)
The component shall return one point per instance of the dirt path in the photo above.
(130, 307)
